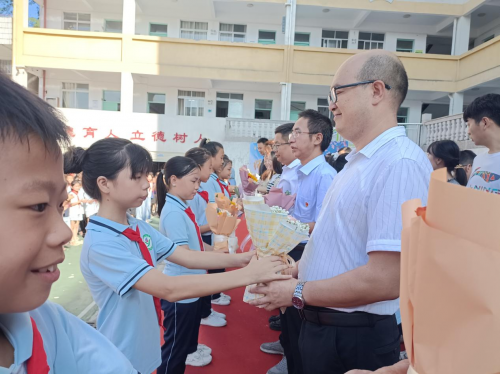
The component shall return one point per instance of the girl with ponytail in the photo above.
(120, 253)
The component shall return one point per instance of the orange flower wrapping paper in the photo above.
(450, 272)
(222, 217)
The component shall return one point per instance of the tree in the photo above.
(7, 6)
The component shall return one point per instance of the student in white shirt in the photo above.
(119, 253)
(75, 210)
(483, 121)
(348, 278)
(35, 334)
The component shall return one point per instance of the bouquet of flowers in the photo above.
(222, 217)
(276, 197)
(248, 188)
(273, 233)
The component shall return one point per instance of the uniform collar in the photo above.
(371, 148)
(313, 164)
(105, 225)
(171, 199)
(19, 331)
(293, 164)
(214, 176)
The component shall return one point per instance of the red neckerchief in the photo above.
(135, 236)
(223, 187)
(204, 195)
(76, 194)
(191, 216)
(37, 363)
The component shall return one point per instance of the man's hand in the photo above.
(276, 294)
(400, 368)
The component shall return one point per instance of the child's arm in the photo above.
(189, 286)
(204, 229)
(192, 259)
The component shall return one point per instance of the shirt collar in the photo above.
(214, 176)
(19, 331)
(371, 148)
(105, 225)
(171, 199)
(313, 164)
(293, 164)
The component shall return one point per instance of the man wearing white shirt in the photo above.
(348, 279)
(284, 154)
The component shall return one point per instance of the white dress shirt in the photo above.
(289, 178)
(362, 210)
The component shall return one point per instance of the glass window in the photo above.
(263, 109)
(113, 26)
(111, 100)
(156, 103)
(404, 45)
(232, 33)
(488, 38)
(158, 29)
(267, 37)
(302, 39)
(191, 103)
(194, 30)
(75, 95)
(403, 115)
(334, 39)
(229, 105)
(76, 21)
(369, 40)
(295, 108)
(323, 108)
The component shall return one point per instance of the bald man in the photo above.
(348, 278)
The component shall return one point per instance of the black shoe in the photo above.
(274, 318)
(276, 325)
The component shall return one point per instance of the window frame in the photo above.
(63, 90)
(267, 110)
(113, 20)
(296, 102)
(330, 114)
(118, 103)
(191, 98)
(156, 102)
(229, 101)
(193, 30)
(364, 41)
(158, 33)
(267, 41)
(233, 32)
(325, 40)
(405, 116)
(302, 44)
(405, 50)
(78, 22)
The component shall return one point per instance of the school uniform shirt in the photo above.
(90, 208)
(111, 264)
(176, 225)
(313, 180)
(212, 187)
(361, 212)
(71, 345)
(198, 205)
(226, 192)
(485, 174)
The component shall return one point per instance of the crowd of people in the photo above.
(339, 306)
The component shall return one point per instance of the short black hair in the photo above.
(106, 158)
(467, 157)
(390, 70)
(285, 130)
(317, 123)
(339, 163)
(262, 140)
(23, 114)
(484, 106)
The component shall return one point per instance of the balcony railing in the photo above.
(447, 128)
(242, 129)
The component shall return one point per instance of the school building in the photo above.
(165, 73)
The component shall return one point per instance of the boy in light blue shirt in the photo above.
(33, 331)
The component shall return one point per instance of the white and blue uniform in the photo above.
(182, 318)
(111, 264)
(198, 205)
(212, 187)
(71, 345)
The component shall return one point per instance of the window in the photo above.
(113, 26)
(6, 66)
(158, 29)
(111, 100)
(263, 109)
(368, 40)
(404, 45)
(334, 39)
(403, 115)
(191, 103)
(76, 21)
(323, 108)
(156, 103)
(232, 33)
(229, 105)
(194, 30)
(302, 39)
(295, 108)
(267, 37)
(75, 95)
(488, 38)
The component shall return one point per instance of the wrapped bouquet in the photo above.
(222, 217)
(276, 197)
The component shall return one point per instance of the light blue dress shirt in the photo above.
(71, 345)
(176, 225)
(111, 264)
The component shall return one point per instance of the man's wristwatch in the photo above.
(297, 299)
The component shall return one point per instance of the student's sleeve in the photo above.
(163, 245)
(116, 266)
(210, 188)
(175, 227)
(93, 352)
(323, 186)
(401, 181)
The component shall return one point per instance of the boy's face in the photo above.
(32, 231)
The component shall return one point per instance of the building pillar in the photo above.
(461, 35)
(128, 23)
(19, 23)
(291, 11)
(127, 93)
(456, 103)
(286, 98)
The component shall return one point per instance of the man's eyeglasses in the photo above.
(333, 95)
(276, 146)
(296, 133)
